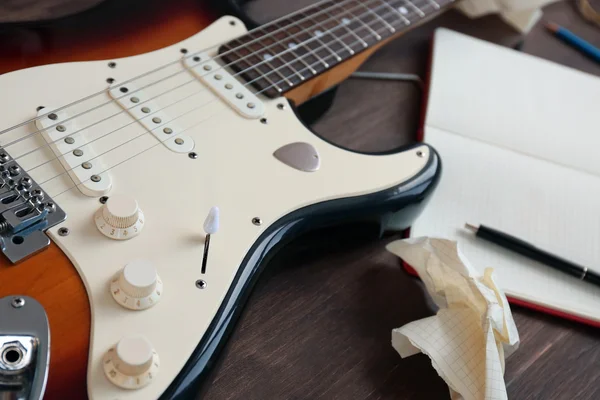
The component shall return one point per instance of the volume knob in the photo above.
(137, 286)
(120, 218)
(132, 363)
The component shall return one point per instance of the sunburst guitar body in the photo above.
(151, 163)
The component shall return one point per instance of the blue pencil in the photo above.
(585, 47)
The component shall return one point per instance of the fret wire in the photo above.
(129, 158)
(345, 26)
(294, 57)
(383, 21)
(364, 27)
(334, 37)
(263, 90)
(361, 22)
(417, 9)
(407, 12)
(320, 60)
(271, 65)
(145, 133)
(299, 58)
(63, 107)
(291, 67)
(396, 12)
(263, 75)
(434, 4)
(344, 22)
(348, 48)
(303, 45)
(318, 39)
(103, 92)
(315, 55)
(310, 50)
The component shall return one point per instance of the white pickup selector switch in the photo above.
(120, 217)
(137, 286)
(132, 363)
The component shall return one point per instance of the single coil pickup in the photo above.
(75, 151)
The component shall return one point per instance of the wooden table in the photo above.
(319, 324)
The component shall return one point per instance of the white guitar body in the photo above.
(259, 197)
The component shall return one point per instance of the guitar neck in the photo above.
(286, 53)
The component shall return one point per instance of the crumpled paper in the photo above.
(473, 331)
(521, 14)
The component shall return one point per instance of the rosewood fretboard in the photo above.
(289, 51)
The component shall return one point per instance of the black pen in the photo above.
(530, 251)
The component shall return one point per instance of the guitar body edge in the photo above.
(402, 204)
(235, 170)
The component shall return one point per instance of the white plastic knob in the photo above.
(211, 223)
(132, 363)
(137, 286)
(120, 217)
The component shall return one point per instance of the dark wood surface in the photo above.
(319, 324)
(39, 10)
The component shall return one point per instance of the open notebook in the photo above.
(519, 139)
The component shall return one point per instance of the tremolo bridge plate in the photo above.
(26, 211)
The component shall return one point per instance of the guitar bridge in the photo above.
(26, 211)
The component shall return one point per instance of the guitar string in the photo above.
(251, 32)
(285, 64)
(385, 5)
(164, 79)
(159, 142)
(145, 132)
(102, 92)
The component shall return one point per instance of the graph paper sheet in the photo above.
(473, 331)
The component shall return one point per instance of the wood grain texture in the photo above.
(319, 326)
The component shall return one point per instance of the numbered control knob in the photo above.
(120, 217)
(132, 363)
(137, 286)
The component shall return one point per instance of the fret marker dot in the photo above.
(318, 34)
(267, 57)
(345, 21)
(403, 10)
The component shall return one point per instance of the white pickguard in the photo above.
(235, 170)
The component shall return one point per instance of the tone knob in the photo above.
(137, 286)
(120, 217)
(132, 363)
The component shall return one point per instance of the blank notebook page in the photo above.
(519, 139)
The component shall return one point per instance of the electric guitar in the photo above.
(142, 195)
